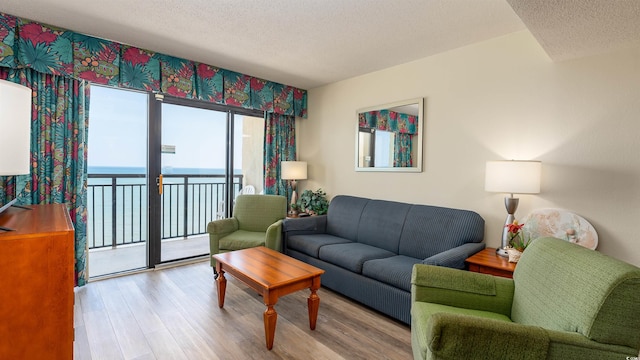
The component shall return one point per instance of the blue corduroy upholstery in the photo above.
(368, 247)
(382, 223)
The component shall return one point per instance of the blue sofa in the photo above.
(368, 247)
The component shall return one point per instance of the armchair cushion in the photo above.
(258, 212)
(242, 239)
(599, 294)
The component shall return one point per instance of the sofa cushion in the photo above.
(430, 230)
(344, 215)
(395, 270)
(311, 244)
(381, 224)
(351, 256)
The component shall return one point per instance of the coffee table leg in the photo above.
(270, 318)
(313, 302)
(221, 286)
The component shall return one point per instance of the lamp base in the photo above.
(511, 204)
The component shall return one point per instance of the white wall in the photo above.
(500, 99)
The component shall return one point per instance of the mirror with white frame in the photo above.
(389, 137)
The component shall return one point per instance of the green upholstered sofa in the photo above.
(256, 221)
(564, 302)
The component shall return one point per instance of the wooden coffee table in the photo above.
(271, 274)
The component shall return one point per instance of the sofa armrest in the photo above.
(457, 336)
(460, 288)
(454, 258)
(305, 225)
(273, 239)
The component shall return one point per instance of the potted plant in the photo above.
(517, 242)
(313, 203)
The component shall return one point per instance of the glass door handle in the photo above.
(159, 183)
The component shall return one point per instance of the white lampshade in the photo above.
(15, 129)
(513, 176)
(293, 170)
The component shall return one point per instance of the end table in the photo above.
(488, 262)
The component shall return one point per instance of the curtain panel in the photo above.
(279, 145)
(57, 51)
(58, 151)
(402, 151)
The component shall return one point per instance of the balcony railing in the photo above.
(117, 206)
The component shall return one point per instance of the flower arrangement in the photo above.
(516, 236)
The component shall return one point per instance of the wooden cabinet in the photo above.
(488, 262)
(36, 283)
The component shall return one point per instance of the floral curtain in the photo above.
(139, 69)
(279, 145)
(402, 151)
(52, 50)
(58, 151)
(389, 121)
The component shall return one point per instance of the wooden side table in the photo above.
(488, 262)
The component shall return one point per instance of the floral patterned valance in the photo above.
(389, 121)
(51, 50)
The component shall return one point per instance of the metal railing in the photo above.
(117, 206)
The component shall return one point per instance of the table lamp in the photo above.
(15, 133)
(512, 177)
(293, 170)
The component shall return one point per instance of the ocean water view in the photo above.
(165, 170)
(117, 203)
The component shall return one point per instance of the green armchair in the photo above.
(256, 221)
(564, 302)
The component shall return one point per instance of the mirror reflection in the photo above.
(389, 137)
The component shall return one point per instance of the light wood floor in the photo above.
(173, 314)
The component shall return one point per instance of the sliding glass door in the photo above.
(160, 169)
(201, 156)
(193, 167)
(116, 186)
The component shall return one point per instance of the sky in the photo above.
(118, 132)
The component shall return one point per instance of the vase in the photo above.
(514, 255)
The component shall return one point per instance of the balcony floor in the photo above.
(106, 261)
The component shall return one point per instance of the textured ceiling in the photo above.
(568, 29)
(308, 43)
